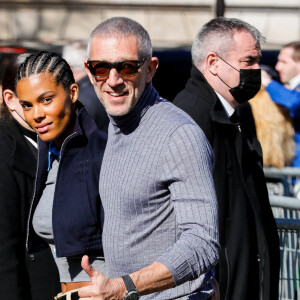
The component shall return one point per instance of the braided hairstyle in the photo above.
(46, 62)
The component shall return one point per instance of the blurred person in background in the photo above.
(23, 277)
(226, 74)
(287, 93)
(66, 212)
(75, 54)
(5, 58)
(274, 126)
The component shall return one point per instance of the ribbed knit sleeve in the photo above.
(188, 164)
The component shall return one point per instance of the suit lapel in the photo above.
(22, 157)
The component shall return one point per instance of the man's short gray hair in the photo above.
(217, 35)
(121, 26)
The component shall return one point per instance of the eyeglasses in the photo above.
(125, 68)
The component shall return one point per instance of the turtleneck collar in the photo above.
(130, 121)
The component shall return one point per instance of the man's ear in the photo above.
(212, 60)
(10, 99)
(74, 92)
(91, 77)
(152, 67)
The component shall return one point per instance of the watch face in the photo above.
(133, 295)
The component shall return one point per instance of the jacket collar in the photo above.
(84, 127)
(217, 110)
(294, 83)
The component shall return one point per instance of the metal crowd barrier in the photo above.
(286, 210)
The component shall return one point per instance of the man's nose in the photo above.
(114, 78)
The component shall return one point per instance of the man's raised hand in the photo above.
(102, 287)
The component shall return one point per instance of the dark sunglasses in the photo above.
(125, 68)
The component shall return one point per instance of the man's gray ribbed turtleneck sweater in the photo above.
(158, 195)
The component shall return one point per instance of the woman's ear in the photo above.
(74, 92)
(10, 99)
(152, 67)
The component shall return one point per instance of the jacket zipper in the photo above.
(61, 155)
(30, 210)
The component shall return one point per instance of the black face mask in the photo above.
(250, 82)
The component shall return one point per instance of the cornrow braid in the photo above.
(46, 62)
(41, 64)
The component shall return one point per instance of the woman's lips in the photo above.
(43, 128)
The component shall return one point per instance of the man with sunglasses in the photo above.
(160, 235)
(225, 74)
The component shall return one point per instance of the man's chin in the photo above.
(117, 112)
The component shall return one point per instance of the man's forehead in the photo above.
(114, 38)
(286, 52)
(114, 48)
(244, 46)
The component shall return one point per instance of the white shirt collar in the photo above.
(34, 143)
(294, 82)
(228, 108)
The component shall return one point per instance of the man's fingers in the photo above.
(93, 290)
(85, 292)
(85, 264)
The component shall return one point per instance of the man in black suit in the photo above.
(225, 74)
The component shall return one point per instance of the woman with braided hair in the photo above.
(22, 276)
(66, 209)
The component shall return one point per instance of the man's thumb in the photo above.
(85, 264)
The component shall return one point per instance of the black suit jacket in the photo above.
(249, 257)
(22, 277)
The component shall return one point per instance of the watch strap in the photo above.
(130, 287)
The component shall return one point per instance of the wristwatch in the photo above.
(131, 291)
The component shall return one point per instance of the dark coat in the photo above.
(249, 258)
(77, 214)
(22, 277)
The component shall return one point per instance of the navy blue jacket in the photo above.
(77, 213)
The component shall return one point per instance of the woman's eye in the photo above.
(46, 100)
(25, 106)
